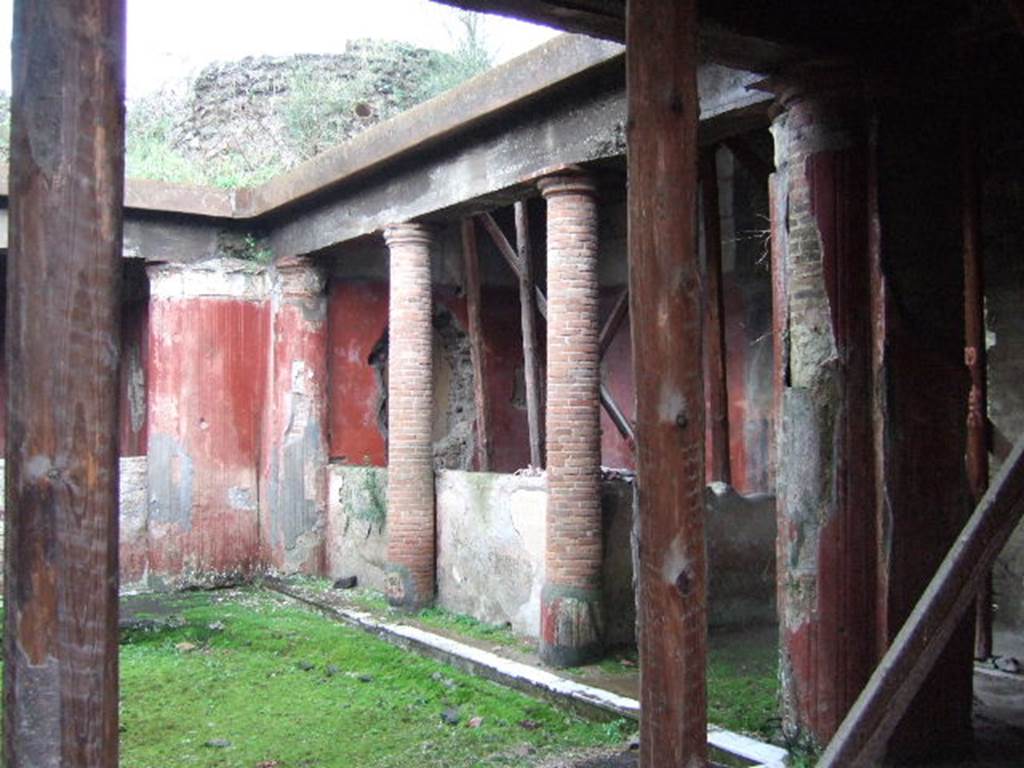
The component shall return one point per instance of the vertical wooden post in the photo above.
(975, 359)
(718, 384)
(526, 303)
(666, 322)
(63, 312)
(471, 259)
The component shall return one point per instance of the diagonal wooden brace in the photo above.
(505, 248)
(862, 736)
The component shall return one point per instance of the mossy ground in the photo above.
(250, 679)
(743, 684)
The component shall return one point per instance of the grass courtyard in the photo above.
(248, 679)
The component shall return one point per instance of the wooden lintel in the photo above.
(471, 261)
(614, 322)
(862, 736)
(531, 373)
(605, 19)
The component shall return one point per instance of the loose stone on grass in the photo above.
(451, 716)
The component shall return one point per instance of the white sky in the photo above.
(169, 40)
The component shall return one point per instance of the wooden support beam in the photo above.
(614, 322)
(912, 655)
(666, 320)
(501, 242)
(714, 329)
(975, 357)
(531, 370)
(62, 347)
(471, 261)
(619, 419)
(604, 18)
(511, 257)
(505, 248)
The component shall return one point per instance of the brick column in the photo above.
(571, 620)
(410, 521)
(294, 455)
(825, 494)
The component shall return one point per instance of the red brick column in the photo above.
(410, 520)
(825, 496)
(571, 620)
(293, 505)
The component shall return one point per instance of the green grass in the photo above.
(282, 687)
(743, 685)
(467, 626)
(430, 618)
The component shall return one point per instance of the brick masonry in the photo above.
(410, 520)
(571, 621)
(826, 521)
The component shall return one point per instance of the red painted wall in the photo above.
(503, 369)
(357, 318)
(207, 378)
(294, 488)
(617, 375)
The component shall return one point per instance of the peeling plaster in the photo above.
(171, 476)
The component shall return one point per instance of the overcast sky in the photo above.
(171, 39)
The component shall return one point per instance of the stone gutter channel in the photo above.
(728, 748)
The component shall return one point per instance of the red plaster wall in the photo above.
(357, 318)
(207, 377)
(617, 375)
(503, 368)
(293, 498)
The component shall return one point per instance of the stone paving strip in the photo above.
(585, 699)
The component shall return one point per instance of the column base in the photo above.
(571, 626)
(401, 590)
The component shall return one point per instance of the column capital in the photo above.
(408, 233)
(569, 181)
(823, 81)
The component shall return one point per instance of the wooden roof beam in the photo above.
(607, 19)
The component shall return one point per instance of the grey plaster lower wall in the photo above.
(356, 524)
(491, 537)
